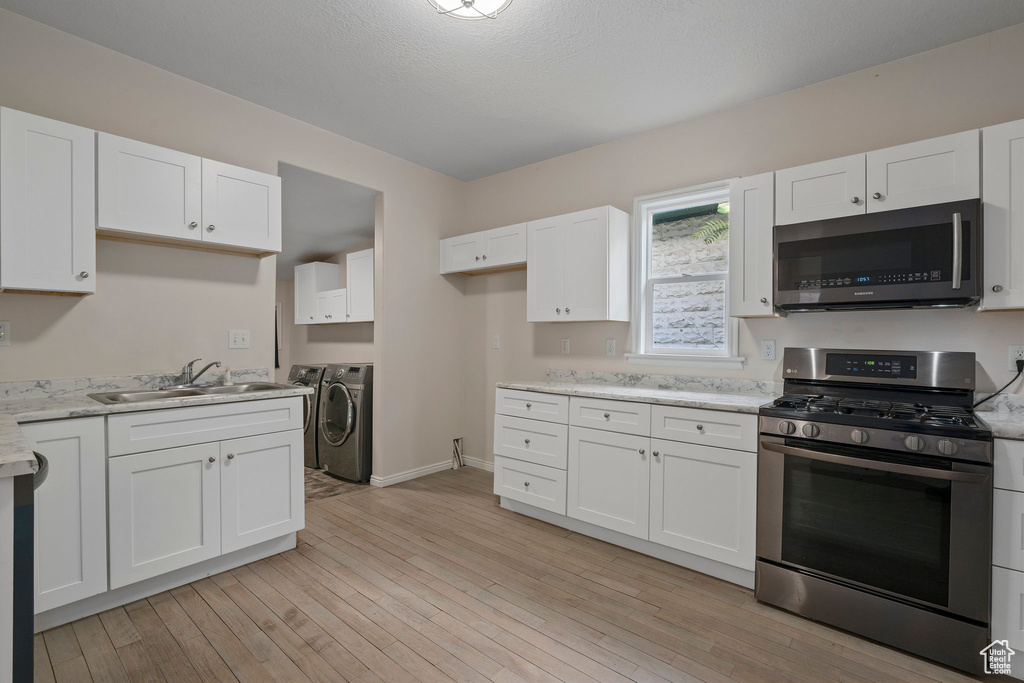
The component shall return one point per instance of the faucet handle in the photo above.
(189, 364)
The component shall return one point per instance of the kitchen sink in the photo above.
(184, 392)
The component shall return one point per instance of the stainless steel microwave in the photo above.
(922, 257)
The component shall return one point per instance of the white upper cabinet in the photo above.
(489, 249)
(331, 306)
(751, 218)
(1003, 196)
(47, 205)
(310, 280)
(359, 283)
(241, 208)
(934, 171)
(826, 189)
(145, 189)
(161, 194)
(578, 267)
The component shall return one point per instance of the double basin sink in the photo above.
(184, 392)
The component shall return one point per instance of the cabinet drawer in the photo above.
(157, 429)
(1009, 464)
(614, 416)
(1008, 606)
(544, 443)
(707, 427)
(537, 485)
(532, 404)
(1008, 529)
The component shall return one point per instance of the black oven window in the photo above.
(884, 530)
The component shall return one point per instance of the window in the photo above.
(682, 268)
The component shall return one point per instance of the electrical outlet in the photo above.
(496, 344)
(609, 347)
(5, 332)
(238, 339)
(767, 349)
(565, 346)
(1016, 354)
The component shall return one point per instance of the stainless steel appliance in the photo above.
(921, 257)
(308, 376)
(345, 434)
(874, 510)
(22, 584)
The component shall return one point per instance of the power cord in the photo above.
(1020, 369)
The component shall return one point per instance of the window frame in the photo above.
(642, 330)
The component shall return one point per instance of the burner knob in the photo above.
(913, 443)
(859, 436)
(787, 427)
(946, 447)
(811, 430)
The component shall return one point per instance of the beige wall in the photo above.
(967, 85)
(157, 307)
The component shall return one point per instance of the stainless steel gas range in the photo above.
(874, 510)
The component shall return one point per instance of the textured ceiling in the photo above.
(546, 78)
(320, 217)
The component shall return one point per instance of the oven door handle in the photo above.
(958, 257)
(876, 465)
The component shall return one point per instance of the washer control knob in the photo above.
(913, 443)
(787, 427)
(811, 430)
(859, 436)
(946, 447)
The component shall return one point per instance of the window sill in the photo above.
(684, 361)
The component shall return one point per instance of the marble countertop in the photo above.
(1004, 425)
(16, 456)
(732, 402)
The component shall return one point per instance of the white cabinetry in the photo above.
(933, 171)
(751, 218)
(1008, 546)
(577, 267)
(359, 283)
(310, 280)
(318, 299)
(47, 205)
(609, 481)
(331, 306)
(1003, 196)
(70, 511)
(486, 250)
(162, 195)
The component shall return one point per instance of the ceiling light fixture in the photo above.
(470, 9)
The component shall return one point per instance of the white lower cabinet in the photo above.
(1008, 606)
(609, 480)
(70, 511)
(536, 485)
(164, 511)
(702, 501)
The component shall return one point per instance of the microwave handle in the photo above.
(876, 464)
(958, 257)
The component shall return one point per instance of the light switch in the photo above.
(5, 332)
(238, 339)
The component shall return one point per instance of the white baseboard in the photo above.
(411, 474)
(478, 463)
(158, 584)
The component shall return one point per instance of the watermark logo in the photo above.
(997, 657)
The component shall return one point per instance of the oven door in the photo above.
(910, 527)
(923, 256)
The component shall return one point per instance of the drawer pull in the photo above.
(231, 456)
(700, 428)
(527, 441)
(607, 416)
(655, 454)
(526, 484)
(213, 459)
(641, 451)
(529, 405)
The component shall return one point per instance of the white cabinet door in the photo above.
(359, 283)
(305, 294)
(826, 189)
(609, 480)
(47, 205)
(1003, 196)
(165, 511)
(545, 270)
(931, 171)
(1008, 607)
(503, 246)
(330, 306)
(241, 207)
(1008, 529)
(147, 190)
(586, 265)
(751, 218)
(70, 511)
(261, 488)
(703, 501)
(462, 253)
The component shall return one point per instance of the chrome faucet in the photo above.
(188, 378)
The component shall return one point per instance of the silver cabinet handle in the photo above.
(529, 405)
(211, 228)
(607, 416)
(958, 261)
(854, 200)
(231, 456)
(700, 428)
(477, 258)
(997, 288)
(527, 442)
(310, 317)
(877, 195)
(213, 459)
(526, 484)
(655, 454)
(764, 299)
(641, 451)
(193, 225)
(558, 311)
(485, 257)
(567, 310)
(84, 274)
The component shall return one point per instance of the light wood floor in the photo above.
(431, 581)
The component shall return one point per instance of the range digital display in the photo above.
(873, 365)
